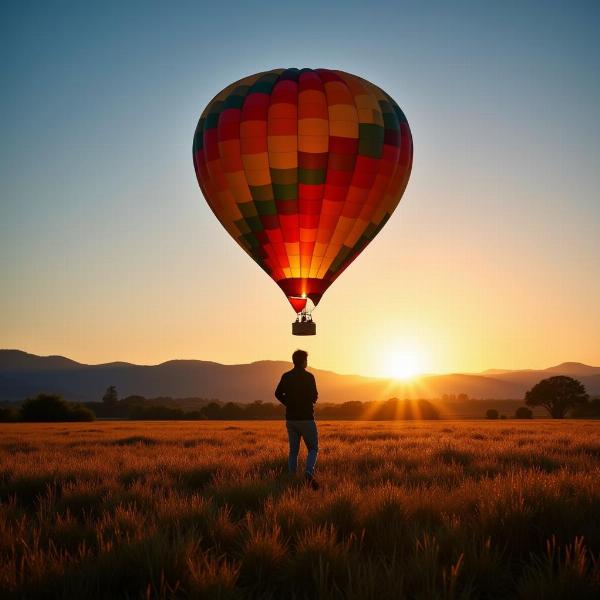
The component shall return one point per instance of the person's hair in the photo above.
(299, 357)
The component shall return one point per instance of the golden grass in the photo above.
(451, 509)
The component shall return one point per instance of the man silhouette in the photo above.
(297, 391)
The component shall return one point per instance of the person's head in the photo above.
(299, 358)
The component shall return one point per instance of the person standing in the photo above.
(297, 391)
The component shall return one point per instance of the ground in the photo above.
(448, 509)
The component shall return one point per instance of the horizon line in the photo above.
(406, 379)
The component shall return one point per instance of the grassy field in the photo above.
(448, 509)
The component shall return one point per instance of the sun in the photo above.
(403, 363)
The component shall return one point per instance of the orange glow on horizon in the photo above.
(403, 362)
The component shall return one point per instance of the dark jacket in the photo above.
(297, 390)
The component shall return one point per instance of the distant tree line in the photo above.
(229, 411)
(560, 396)
(113, 408)
(139, 408)
(47, 407)
(387, 410)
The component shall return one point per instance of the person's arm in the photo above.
(314, 385)
(280, 392)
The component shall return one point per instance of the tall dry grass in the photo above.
(205, 510)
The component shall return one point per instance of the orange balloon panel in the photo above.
(303, 168)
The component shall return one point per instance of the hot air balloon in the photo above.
(303, 168)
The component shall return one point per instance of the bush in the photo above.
(81, 413)
(491, 413)
(523, 413)
(9, 415)
(46, 408)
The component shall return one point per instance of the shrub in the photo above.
(78, 412)
(491, 413)
(523, 413)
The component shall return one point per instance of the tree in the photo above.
(211, 411)
(110, 397)
(557, 395)
(45, 407)
(491, 413)
(523, 413)
(231, 412)
(50, 407)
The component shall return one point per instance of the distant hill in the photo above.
(574, 369)
(23, 374)
(525, 379)
(16, 361)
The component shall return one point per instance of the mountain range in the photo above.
(23, 375)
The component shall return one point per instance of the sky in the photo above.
(108, 250)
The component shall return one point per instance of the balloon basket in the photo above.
(304, 328)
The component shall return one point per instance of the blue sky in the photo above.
(108, 251)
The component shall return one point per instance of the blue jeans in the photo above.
(307, 430)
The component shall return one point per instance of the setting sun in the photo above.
(403, 363)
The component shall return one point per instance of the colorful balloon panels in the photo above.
(303, 167)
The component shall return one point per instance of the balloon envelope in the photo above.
(303, 168)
